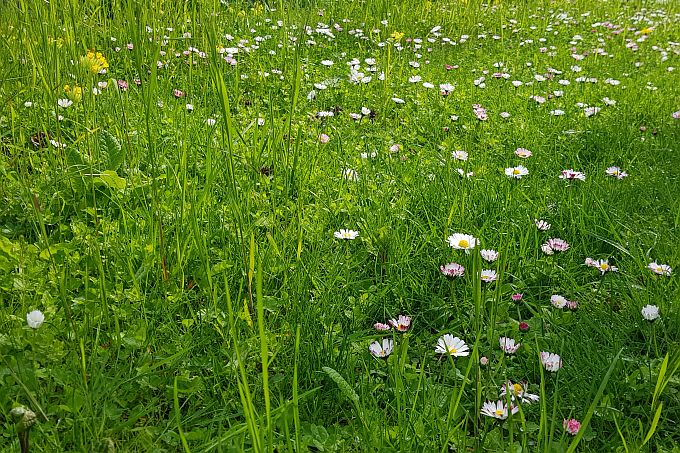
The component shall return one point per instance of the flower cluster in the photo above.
(553, 245)
(94, 62)
(560, 302)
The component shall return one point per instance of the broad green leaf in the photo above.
(111, 179)
(111, 151)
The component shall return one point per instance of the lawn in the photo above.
(352, 226)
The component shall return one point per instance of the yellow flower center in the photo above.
(463, 243)
(516, 388)
(604, 266)
(452, 350)
(499, 412)
(515, 171)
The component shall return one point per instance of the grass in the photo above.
(195, 297)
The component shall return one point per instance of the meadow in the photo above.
(357, 226)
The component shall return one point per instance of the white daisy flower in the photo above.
(523, 153)
(518, 391)
(497, 410)
(558, 301)
(381, 349)
(488, 275)
(517, 172)
(551, 361)
(542, 224)
(35, 319)
(454, 346)
(660, 269)
(346, 234)
(508, 345)
(462, 241)
(650, 312)
(460, 155)
(489, 255)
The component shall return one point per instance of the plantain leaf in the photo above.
(111, 151)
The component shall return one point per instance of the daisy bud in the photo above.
(35, 319)
(571, 426)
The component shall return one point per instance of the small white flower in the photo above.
(551, 361)
(558, 301)
(64, 103)
(508, 345)
(460, 155)
(462, 241)
(210, 121)
(489, 255)
(519, 391)
(35, 319)
(346, 234)
(517, 172)
(381, 349)
(601, 265)
(57, 144)
(571, 174)
(523, 153)
(590, 111)
(350, 175)
(497, 410)
(542, 225)
(190, 107)
(448, 344)
(660, 269)
(547, 249)
(488, 275)
(616, 172)
(650, 312)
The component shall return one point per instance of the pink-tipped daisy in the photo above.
(452, 270)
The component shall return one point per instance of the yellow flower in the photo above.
(94, 62)
(646, 31)
(74, 93)
(397, 35)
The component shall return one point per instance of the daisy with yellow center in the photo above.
(497, 409)
(454, 346)
(462, 241)
(517, 172)
(518, 391)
